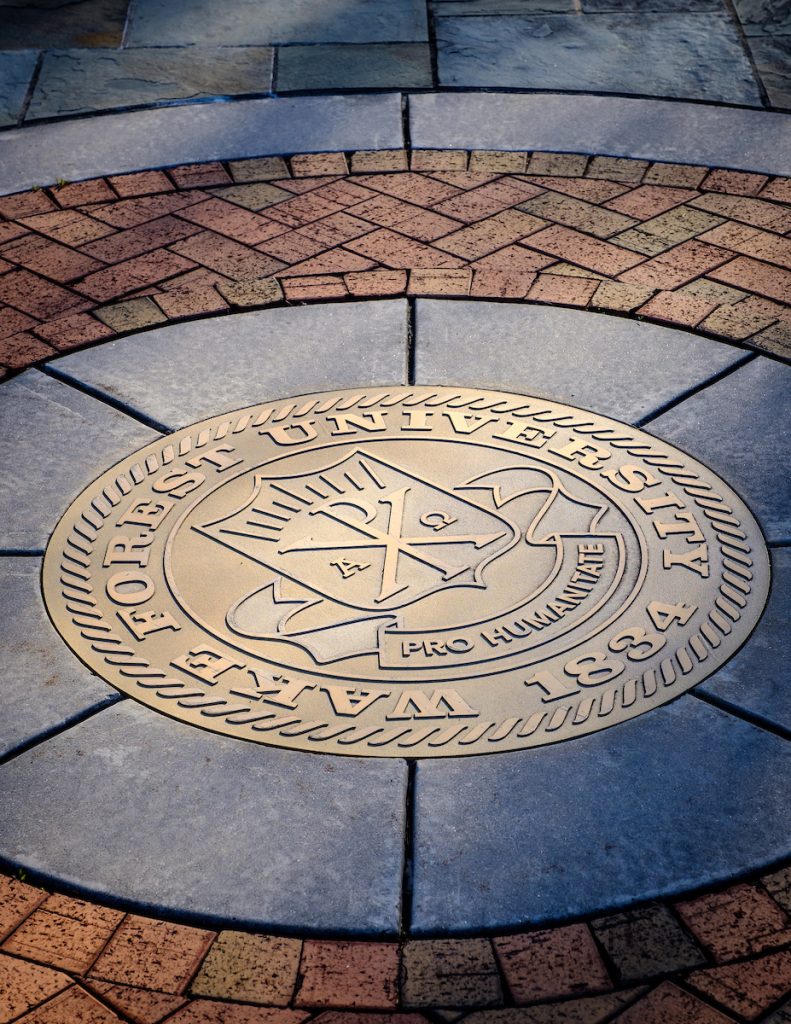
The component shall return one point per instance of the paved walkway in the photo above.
(630, 256)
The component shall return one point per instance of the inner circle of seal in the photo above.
(417, 572)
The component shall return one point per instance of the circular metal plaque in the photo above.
(423, 572)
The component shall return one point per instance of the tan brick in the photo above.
(439, 160)
(616, 168)
(575, 213)
(255, 195)
(592, 190)
(199, 175)
(677, 308)
(128, 213)
(514, 259)
(246, 294)
(592, 253)
(23, 986)
(668, 229)
(778, 189)
(50, 259)
(133, 274)
(677, 175)
(552, 963)
(439, 282)
(263, 168)
(71, 330)
(411, 220)
(250, 968)
(719, 294)
(668, 1004)
(746, 209)
(400, 253)
(363, 975)
(17, 901)
(650, 201)
(336, 261)
(570, 165)
(677, 266)
(376, 283)
(373, 160)
(490, 234)
(152, 954)
(504, 284)
(139, 1005)
(131, 315)
(742, 920)
(309, 165)
(450, 972)
(304, 289)
(567, 291)
(192, 294)
(624, 297)
(69, 226)
(140, 183)
(154, 234)
(411, 187)
(96, 190)
(487, 200)
(737, 183)
(775, 339)
(498, 160)
(226, 257)
(762, 245)
(754, 276)
(748, 988)
(74, 1006)
(740, 320)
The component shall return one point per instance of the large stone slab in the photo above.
(43, 685)
(132, 806)
(693, 56)
(251, 22)
(645, 129)
(44, 23)
(116, 143)
(616, 367)
(83, 81)
(53, 441)
(340, 66)
(16, 71)
(740, 427)
(178, 375)
(756, 680)
(681, 797)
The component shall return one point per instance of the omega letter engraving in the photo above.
(413, 572)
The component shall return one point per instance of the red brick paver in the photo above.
(696, 247)
(552, 963)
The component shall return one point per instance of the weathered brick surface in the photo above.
(646, 942)
(363, 975)
(74, 1006)
(17, 901)
(152, 954)
(742, 920)
(551, 963)
(64, 933)
(668, 1004)
(674, 243)
(25, 985)
(138, 1004)
(449, 972)
(250, 968)
(748, 988)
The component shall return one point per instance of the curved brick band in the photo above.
(678, 244)
(715, 957)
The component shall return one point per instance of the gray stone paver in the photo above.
(740, 428)
(205, 367)
(252, 22)
(44, 686)
(81, 81)
(614, 366)
(698, 56)
(53, 442)
(16, 71)
(772, 56)
(340, 66)
(672, 800)
(756, 680)
(117, 143)
(134, 805)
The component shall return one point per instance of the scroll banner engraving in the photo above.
(423, 572)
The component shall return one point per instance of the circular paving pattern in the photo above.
(425, 572)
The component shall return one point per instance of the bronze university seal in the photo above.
(406, 572)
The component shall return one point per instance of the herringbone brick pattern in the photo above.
(719, 957)
(690, 246)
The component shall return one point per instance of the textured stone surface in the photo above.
(40, 420)
(772, 56)
(630, 369)
(645, 830)
(247, 358)
(16, 71)
(216, 825)
(116, 143)
(646, 942)
(43, 23)
(651, 129)
(719, 424)
(756, 680)
(270, 21)
(43, 684)
(79, 81)
(339, 66)
(697, 56)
